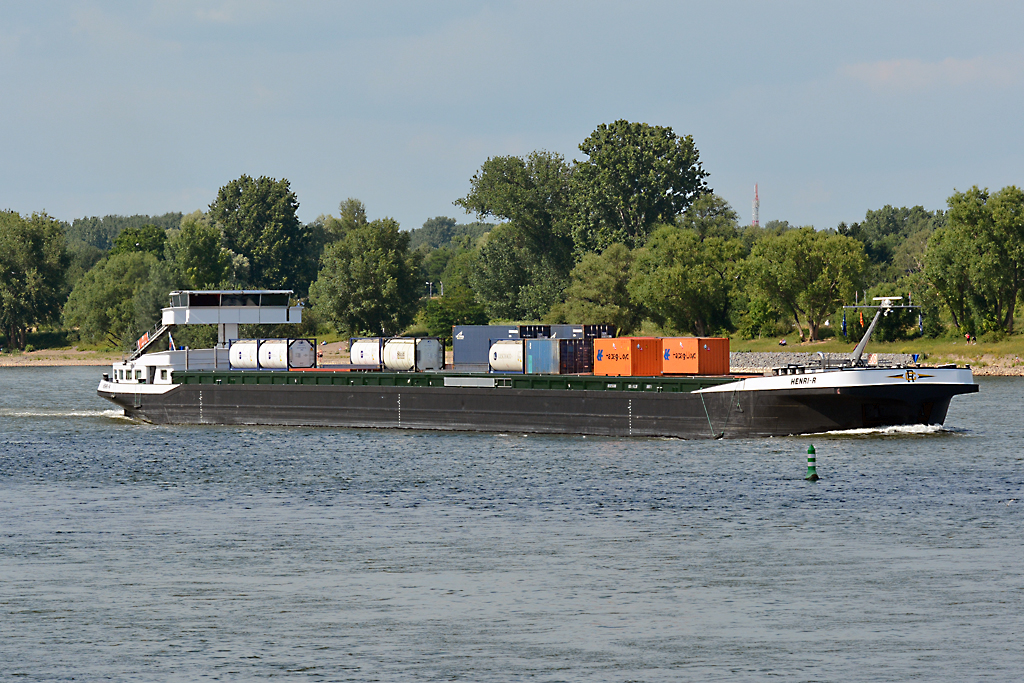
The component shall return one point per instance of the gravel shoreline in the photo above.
(752, 361)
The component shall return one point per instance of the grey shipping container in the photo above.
(542, 356)
(470, 343)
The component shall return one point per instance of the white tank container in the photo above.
(365, 352)
(243, 354)
(301, 354)
(273, 354)
(429, 354)
(405, 355)
(400, 354)
(506, 355)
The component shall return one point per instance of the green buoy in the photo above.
(812, 469)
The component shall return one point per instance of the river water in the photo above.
(138, 552)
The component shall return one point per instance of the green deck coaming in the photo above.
(431, 379)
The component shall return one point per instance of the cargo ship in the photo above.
(404, 383)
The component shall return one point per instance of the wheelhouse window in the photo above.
(274, 300)
(199, 300)
(163, 375)
(240, 300)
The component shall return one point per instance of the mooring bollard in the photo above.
(812, 468)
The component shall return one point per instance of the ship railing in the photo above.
(147, 340)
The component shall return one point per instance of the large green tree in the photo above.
(806, 273)
(514, 282)
(947, 268)
(533, 194)
(33, 259)
(196, 252)
(351, 215)
(598, 292)
(635, 177)
(686, 281)
(710, 216)
(977, 261)
(259, 220)
(366, 283)
(103, 306)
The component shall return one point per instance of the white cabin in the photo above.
(227, 309)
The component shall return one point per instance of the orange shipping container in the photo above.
(695, 356)
(628, 356)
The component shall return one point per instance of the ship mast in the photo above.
(884, 308)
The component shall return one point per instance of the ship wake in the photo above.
(113, 413)
(896, 430)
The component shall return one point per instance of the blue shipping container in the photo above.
(470, 343)
(541, 356)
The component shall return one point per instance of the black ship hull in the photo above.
(690, 415)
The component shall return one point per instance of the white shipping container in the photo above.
(400, 354)
(404, 355)
(301, 354)
(506, 355)
(429, 354)
(243, 354)
(365, 352)
(273, 354)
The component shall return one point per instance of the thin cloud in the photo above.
(918, 75)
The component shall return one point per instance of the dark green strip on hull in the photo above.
(431, 379)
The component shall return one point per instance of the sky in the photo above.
(832, 108)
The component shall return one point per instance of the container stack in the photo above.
(628, 356)
(471, 344)
(272, 354)
(582, 350)
(398, 354)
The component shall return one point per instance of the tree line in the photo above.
(632, 235)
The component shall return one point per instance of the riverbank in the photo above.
(58, 357)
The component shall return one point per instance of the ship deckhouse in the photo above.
(227, 309)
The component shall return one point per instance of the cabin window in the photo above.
(138, 374)
(203, 300)
(121, 373)
(240, 300)
(163, 375)
(274, 300)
